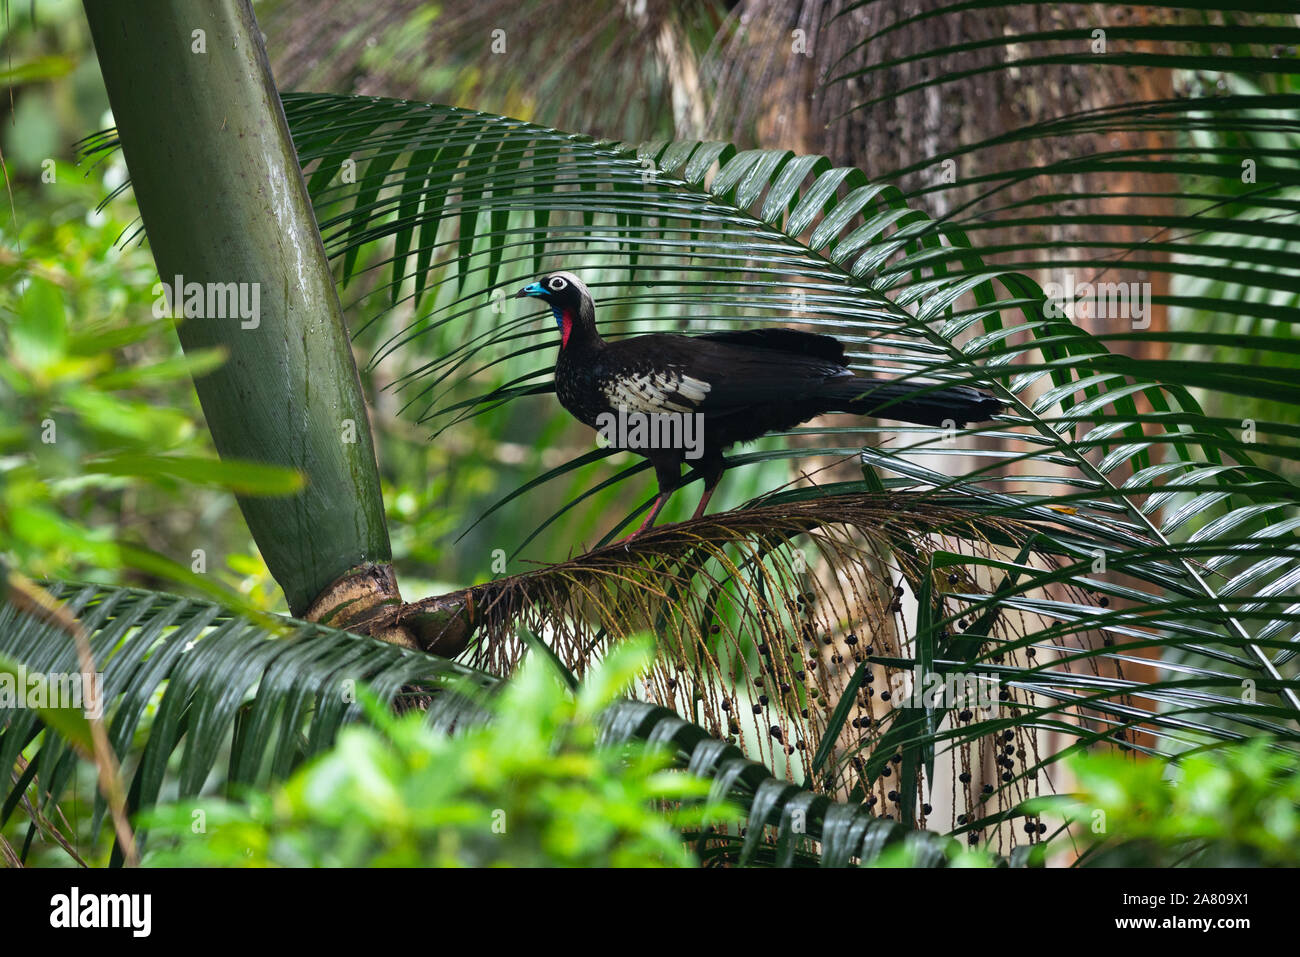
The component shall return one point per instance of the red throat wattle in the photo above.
(567, 319)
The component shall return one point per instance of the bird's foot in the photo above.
(649, 520)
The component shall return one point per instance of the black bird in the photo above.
(741, 384)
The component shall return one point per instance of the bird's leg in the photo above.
(704, 501)
(668, 471)
(712, 470)
(649, 519)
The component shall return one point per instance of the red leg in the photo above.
(712, 476)
(668, 473)
(704, 501)
(649, 519)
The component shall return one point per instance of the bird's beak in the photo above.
(533, 289)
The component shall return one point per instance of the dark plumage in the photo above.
(744, 384)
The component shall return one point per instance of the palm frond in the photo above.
(835, 242)
(782, 630)
(197, 697)
(786, 826)
(188, 680)
(1165, 511)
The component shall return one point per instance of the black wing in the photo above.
(719, 373)
(790, 341)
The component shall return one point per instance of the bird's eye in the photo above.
(556, 284)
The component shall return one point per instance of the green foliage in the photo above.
(101, 440)
(70, 722)
(1111, 458)
(1199, 564)
(194, 693)
(911, 852)
(198, 699)
(534, 787)
(1262, 335)
(1234, 806)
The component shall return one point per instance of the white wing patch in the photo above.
(693, 389)
(656, 392)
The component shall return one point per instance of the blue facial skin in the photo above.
(535, 289)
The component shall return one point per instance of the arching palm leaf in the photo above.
(192, 680)
(769, 236)
(196, 696)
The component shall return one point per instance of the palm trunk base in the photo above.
(355, 602)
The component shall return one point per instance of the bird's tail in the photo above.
(913, 402)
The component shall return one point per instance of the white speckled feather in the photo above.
(655, 391)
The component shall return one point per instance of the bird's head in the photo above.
(569, 299)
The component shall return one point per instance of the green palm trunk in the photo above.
(223, 201)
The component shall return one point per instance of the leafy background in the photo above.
(1125, 164)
